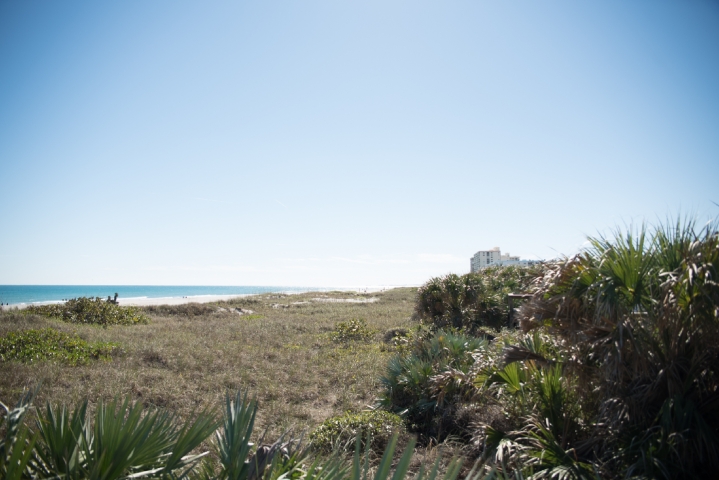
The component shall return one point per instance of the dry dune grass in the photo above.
(188, 357)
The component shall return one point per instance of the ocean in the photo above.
(27, 294)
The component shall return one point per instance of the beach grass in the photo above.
(285, 353)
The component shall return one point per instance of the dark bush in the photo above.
(413, 388)
(473, 300)
(638, 315)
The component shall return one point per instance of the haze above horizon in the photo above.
(343, 143)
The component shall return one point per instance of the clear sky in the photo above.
(326, 143)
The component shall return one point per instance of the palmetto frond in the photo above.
(17, 445)
(641, 311)
(121, 440)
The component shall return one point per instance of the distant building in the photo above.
(488, 258)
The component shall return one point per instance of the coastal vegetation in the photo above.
(410, 384)
(49, 344)
(283, 354)
(341, 432)
(613, 372)
(94, 311)
(124, 440)
(354, 330)
(472, 301)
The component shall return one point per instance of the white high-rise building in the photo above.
(488, 258)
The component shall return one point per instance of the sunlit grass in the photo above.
(182, 361)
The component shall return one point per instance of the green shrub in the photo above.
(473, 300)
(90, 310)
(355, 330)
(401, 341)
(49, 344)
(424, 385)
(339, 433)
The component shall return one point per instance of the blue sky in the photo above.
(343, 143)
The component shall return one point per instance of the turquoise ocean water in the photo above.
(25, 294)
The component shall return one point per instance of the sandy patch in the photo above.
(346, 300)
(146, 302)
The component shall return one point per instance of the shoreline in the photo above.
(155, 301)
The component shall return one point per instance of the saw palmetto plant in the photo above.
(17, 443)
(418, 386)
(639, 315)
(123, 440)
(472, 301)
